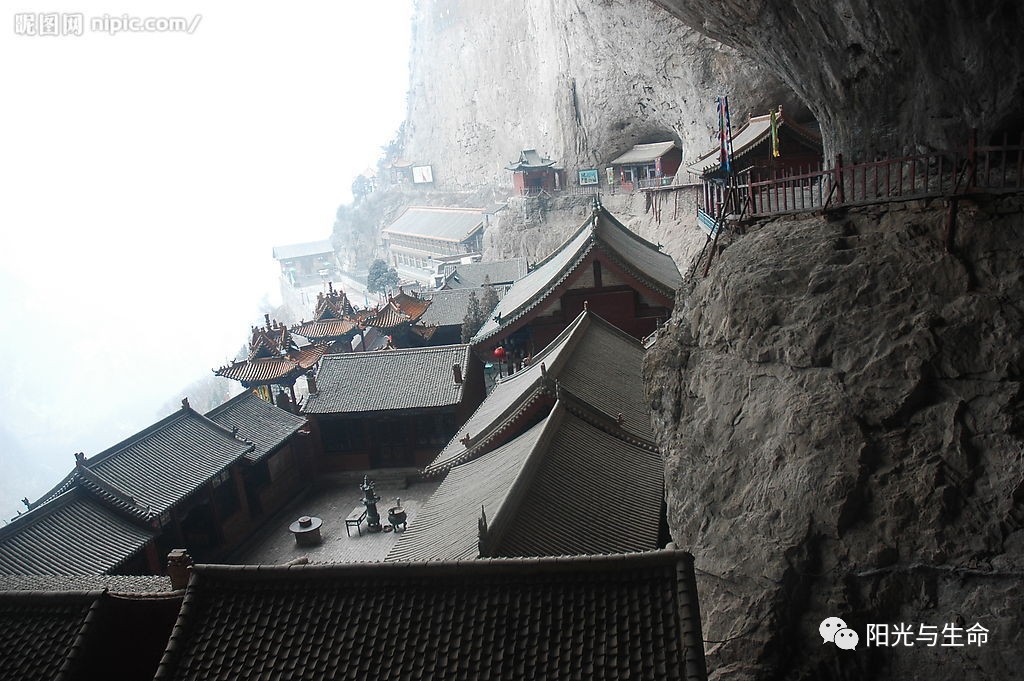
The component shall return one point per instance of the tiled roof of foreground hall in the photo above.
(606, 617)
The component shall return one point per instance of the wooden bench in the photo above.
(355, 519)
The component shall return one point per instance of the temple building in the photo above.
(798, 146)
(306, 263)
(394, 408)
(397, 317)
(423, 239)
(177, 483)
(193, 481)
(274, 359)
(634, 616)
(561, 438)
(441, 324)
(334, 322)
(647, 164)
(532, 173)
(623, 617)
(278, 467)
(605, 267)
(799, 150)
(500, 274)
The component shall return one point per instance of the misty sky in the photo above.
(144, 178)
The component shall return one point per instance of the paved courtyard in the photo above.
(275, 543)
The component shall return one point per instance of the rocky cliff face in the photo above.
(883, 76)
(579, 80)
(840, 404)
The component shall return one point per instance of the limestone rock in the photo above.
(840, 407)
(581, 81)
(883, 77)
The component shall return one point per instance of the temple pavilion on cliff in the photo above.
(604, 267)
(397, 317)
(274, 359)
(334, 323)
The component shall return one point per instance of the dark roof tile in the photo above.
(449, 307)
(258, 421)
(443, 224)
(170, 460)
(476, 274)
(602, 230)
(389, 380)
(73, 534)
(38, 632)
(566, 486)
(565, 618)
(591, 358)
(115, 584)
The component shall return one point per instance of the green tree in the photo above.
(488, 302)
(381, 277)
(361, 187)
(474, 318)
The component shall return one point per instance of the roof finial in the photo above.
(27, 503)
(184, 403)
(481, 528)
(79, 458)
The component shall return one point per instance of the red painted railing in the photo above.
(986, 169)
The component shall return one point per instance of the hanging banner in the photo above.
(775, 135)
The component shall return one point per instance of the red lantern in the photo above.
(499, 353)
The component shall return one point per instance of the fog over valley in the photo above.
(145, 179)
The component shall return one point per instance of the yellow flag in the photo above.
(775, 135)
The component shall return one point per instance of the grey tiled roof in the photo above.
(389, 380)
(753, 132)
(83, 635)
(564, 487)
(591, 358)
(639, 257)
(446, 527)
(448, 308)
(304, 249)
(73, 534)
(597, 618)
(476, 274)
(115, 584)
(530, 159)
(169, 460)
(644, 153)
(258, 421)
(38, 632)
(592, 491)
(444, 224)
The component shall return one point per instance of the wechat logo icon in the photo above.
(834, 630)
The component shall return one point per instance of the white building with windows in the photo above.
(423, 239)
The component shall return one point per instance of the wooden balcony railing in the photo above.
(975, 169)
